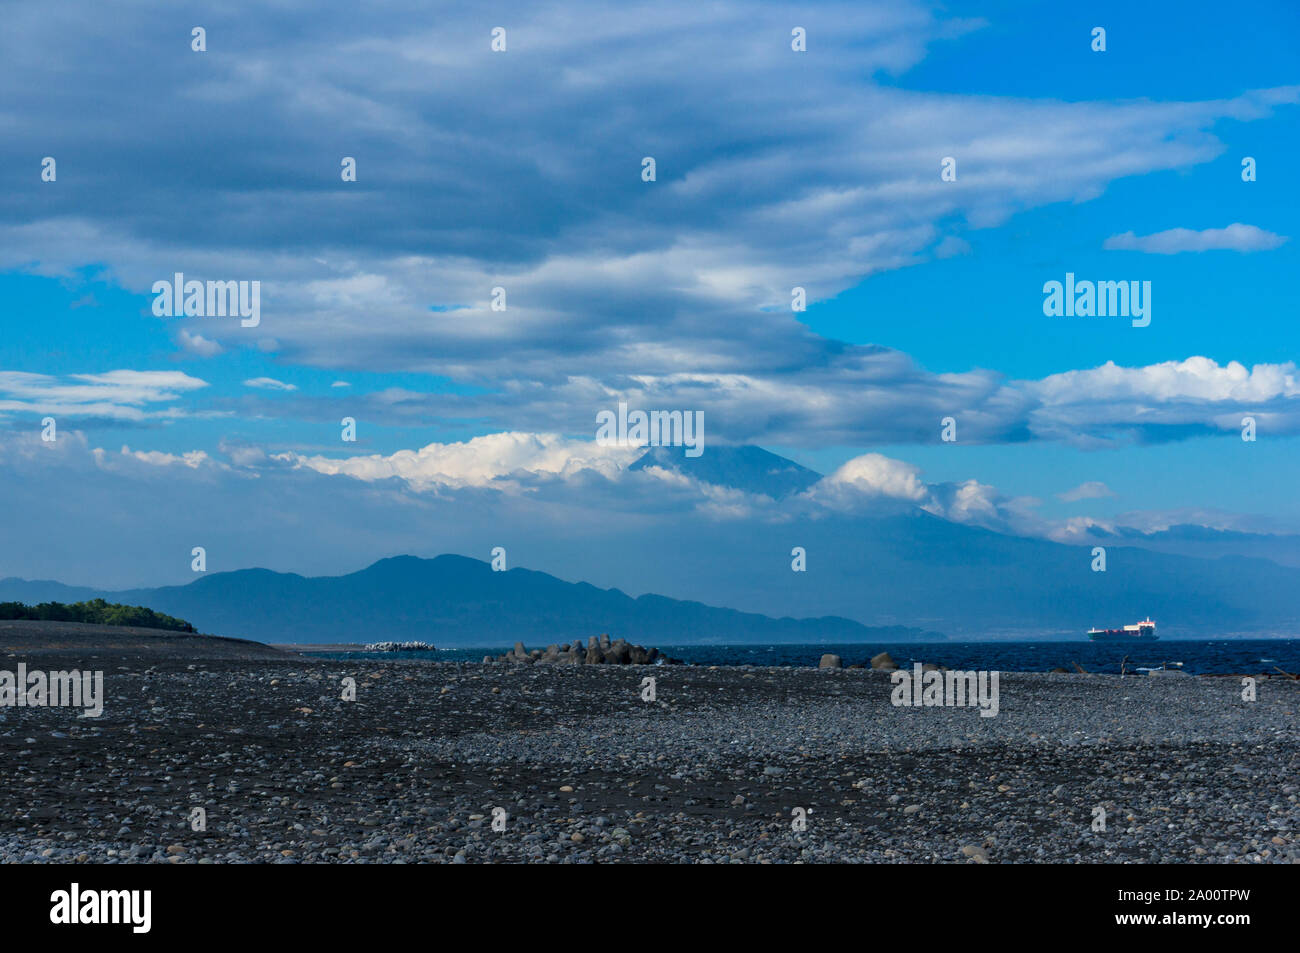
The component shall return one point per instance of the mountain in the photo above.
(1206, 542)
(971, 582)
(747, 468)
(453, 600)
(36, 591)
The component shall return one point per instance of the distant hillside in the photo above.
(454, 600)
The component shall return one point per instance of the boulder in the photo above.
(883, 662)
(599, 650)
(830, 661)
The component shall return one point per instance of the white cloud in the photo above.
(481, 461)
(1194, 380)
(192, 459)
(972, 502)
(117, 395)
(1236, 237)
(874, 474)
(875, 396)
(198, 344)
(1091, 490)
(269, 383)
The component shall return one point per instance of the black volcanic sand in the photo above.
(587, 772)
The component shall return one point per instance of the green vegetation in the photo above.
(96, 611)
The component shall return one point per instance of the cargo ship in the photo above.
(1144, 631)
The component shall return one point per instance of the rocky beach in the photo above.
(724, 765)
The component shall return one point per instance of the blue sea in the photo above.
(1198, 658)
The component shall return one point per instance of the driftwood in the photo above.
(1082, 670)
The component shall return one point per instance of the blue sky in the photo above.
(1027, 50)
(521, 169)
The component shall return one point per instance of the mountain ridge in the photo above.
(458, 600)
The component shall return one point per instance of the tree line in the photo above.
(96, 611)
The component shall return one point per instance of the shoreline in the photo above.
(964, 656)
